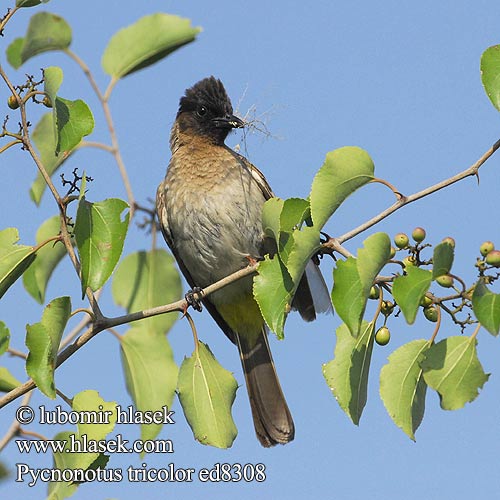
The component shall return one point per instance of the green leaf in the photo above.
(83, 186)
(271, 217)
(451, 367)
(206, 392)
(14, 259)
(353, 279)
(344, 170)
(4, 337)
(442, 259)
(273, 288)
(68, 460)
(148, 279)
(296, 244)
(306, 242)
(7, 380)
(145, 42)
(43, 341)
(100, 233)
(347, 293)
(13, 52)
(45, 141)
(63, 461)
(347, 373)
(490, 74)
(409, 290)
(279, 277)
(46, 32)
(372, 258)
(58, 133)
(150, 372)
(52, 79)
(29, 3)
(281, 222)
(402, 386)
(89, 400)
(486, 307)
(37, 276)
(85, 401)
(74, 121)
(295, 212)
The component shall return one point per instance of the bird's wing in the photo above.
(165, 229)
(257, 175)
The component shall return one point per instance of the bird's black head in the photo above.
(206, 110)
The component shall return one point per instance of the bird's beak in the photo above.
(229, 121)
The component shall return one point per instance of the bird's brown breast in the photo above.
(214, 206)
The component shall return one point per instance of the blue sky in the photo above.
(403, 83)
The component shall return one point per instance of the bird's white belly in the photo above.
(219, 230)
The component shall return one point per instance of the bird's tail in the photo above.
(271, 416)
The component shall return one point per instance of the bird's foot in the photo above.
(193, 298)
(251, 260)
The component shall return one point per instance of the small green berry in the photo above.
(12, 102)
(418, 234)
(426, 301)
(47, 102)
(486, 248)
(383, 336)
(493, 258)
(386, 307)
(445, 280)
(393, 253)
(431, 313)
(401, 240)
(374, 293)
(450, 241)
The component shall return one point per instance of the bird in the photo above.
(209, 208)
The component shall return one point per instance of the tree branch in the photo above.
(65, 236)
(104, 100)
(405, 200)
(103, 323)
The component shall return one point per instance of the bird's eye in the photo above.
(201, 111)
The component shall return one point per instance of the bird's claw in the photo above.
(251, 260)
(193, 298)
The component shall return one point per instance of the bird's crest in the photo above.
(211, 93)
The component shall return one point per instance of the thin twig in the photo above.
(64, 398)
(84, 322)
(193, 330)
(405, 200)
(397, 194)
(9, 145)
(104, 100)
(475, 332)
(86, 70)
(115, 334)
(34, 434)
(438, 325)
(13, 430)
(97, 145)
(5, 20)
(15, 352)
